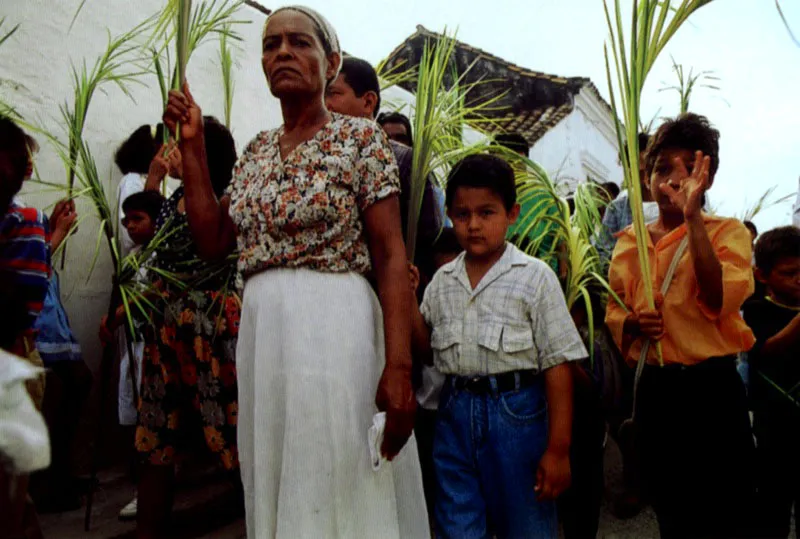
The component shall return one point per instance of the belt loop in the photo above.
(516, 381)
(493, 385)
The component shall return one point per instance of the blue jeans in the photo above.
(486, 452)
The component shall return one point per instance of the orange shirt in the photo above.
(694, 333)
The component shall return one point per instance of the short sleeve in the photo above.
(554, 333)
(376, 170)
(25, 256)
(733, 247)
(425, 306)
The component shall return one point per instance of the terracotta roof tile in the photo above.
(535, 101)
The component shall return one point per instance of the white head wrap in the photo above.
(326, 30)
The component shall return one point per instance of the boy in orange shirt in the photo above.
(692, 425)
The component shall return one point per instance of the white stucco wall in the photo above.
(38, 57)
(581, 145)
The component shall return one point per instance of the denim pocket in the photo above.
(525, 406)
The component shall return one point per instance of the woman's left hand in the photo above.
(396, 398)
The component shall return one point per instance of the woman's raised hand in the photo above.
(182, 110)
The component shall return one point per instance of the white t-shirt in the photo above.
(131, 183)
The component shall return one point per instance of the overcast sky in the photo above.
(744, 42)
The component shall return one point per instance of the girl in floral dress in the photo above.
(313, 208)
(189, 371)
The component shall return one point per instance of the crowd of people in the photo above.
(287, 321)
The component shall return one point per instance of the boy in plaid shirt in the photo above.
(496, 323)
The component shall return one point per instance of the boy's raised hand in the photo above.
(553, 476)
(63, 216)
(689, 197)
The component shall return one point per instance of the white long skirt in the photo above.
(309, 357)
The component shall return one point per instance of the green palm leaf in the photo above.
(654, 23)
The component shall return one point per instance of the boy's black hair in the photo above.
(220, 152)
(14, 147)
(775, 244)
(643, 139)
(396, 118)
(751, 226)
(688, 131)
(138, 150)
(447, 243)
(149, 202)
(483, 170)
(362, 78)
(612, 189)
(513, 141)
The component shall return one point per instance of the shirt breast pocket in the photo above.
(517, 347)
(445, 341)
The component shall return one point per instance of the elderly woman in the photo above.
(313, 206)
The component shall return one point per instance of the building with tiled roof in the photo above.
(568, 124)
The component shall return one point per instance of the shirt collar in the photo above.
(511, 257)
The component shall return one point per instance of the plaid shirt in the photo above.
(515, 319)
(25, 257)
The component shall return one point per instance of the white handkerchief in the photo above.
(375, 440)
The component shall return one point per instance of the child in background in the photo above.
(25, 277)
(140, 213)
(445, 250)
(775, 321)
(597, 393)
(496, 324)
(137, 159)
(691, 417)
(68, 382)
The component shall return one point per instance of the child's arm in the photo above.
(724, 279)
(420, 332)
(707, 267)
(553, 474)
(159, 167)
(786, 339)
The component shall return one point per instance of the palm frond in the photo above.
(121, 65)
(786, 24)
(687, 82)
(762, 203)
(5, 108)
(190, 24)
(5, 36)
(226, 63)
(397, 75)
(654, 23)
(440, 114)
(548, 231)
(75, 16)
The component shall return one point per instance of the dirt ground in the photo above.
(205, 509)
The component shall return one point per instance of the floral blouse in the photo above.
(305, 210)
